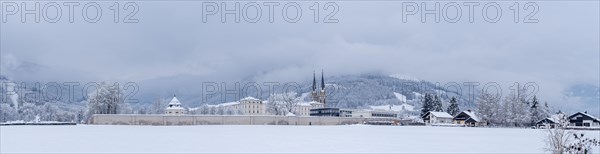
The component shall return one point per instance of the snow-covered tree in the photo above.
(80, 116)
(220, 110)
(107, 99)
(7, 113)
(488, 108)
(283, 103)
(453, 108)
(49, 112)
(230, 111)
(28, 112)
(538, 111)
(158, 106)
(545, 111)
(204, 109)
(427, 104)
(516, 109)
(437, 104)
(212, 110)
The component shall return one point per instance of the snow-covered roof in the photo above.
(554, 118)
(441, 114)
(314, 102)
(175, 108)
(174, 101)
(250, 98)
(290, 114)
(224, 104)
(308, 103)
(589, 115)
(472, 115)
(304, 104)
(229, 104)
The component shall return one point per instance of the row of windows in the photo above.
(254, 111)
(383, 115)
(253, 102)
(251, 106)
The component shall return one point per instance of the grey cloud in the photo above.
(172, 41)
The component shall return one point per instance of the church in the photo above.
(319, 95)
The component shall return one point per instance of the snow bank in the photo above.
(262, 139)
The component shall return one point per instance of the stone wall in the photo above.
(133, 119)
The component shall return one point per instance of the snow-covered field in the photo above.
(270, 139)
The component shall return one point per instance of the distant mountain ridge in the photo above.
(347, 91)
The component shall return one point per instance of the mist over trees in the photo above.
(515, 110)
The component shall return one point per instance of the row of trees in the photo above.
(514, 110)
(107, 99)
(31, 112)
(433, 103)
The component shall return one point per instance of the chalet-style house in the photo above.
(551, 122)
(467, 118)
(437, 118)
(583, 119)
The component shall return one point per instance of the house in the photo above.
(437, 118)
(583, 119)
(251, 106)
(467, 118)
(553, 121)
(174, 107)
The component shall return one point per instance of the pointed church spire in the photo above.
(322, 81)
(314, 87)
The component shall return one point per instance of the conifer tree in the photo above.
(453, 107)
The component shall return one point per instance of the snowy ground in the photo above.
(270, 139)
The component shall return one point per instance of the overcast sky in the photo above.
(171, 40)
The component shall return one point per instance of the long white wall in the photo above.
(130, 119)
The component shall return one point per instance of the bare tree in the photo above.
(582, 144)
(558, 138)
(158, 106)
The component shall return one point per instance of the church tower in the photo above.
(319, 95)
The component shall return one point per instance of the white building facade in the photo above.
(303, 108)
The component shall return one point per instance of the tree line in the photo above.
(514, 110)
